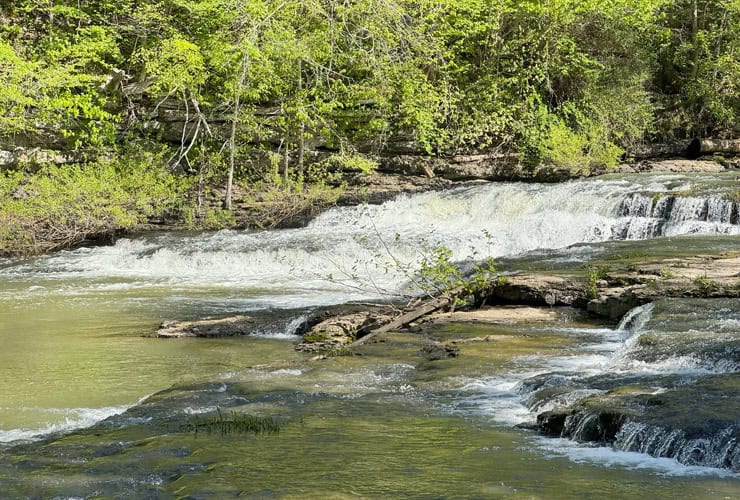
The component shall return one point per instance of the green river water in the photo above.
(90, 408)
(379, 425)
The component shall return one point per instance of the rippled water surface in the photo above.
(389, 423)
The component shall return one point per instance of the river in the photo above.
(90, 407)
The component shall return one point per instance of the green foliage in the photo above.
(63, 205)
(349, 162)
(563, 147)
(566, 81)
(19, 91)
(50, 87)
(579, 151)
(437, 274)
(502, 280)
(698, 78)
(705, 285)
(482, 274)
(595, 274)
(174, 65)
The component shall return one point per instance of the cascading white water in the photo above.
(361, 252)
(669, 215)
(636, 318)
(722, 450)
(688, 340)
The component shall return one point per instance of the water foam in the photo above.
(74, 419)
(353, 253)
(610, 457)
(513, 398)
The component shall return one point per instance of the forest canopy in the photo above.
(574, 83)
(539, 77)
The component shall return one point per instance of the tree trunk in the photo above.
(302, 128)
(301, 150)
(286, 166)
(695, 39)
(700, 147)
(232, 137)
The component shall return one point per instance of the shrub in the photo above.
(62, 205)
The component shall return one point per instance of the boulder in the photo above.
(614, 303)
(208, 328)
(331, 328)
(537, 289)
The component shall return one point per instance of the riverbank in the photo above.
(66, 207)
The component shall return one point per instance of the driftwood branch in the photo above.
(416, 313)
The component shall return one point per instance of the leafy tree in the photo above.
(698, 80)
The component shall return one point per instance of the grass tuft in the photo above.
(232, 423)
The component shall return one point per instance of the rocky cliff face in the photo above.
(175, 124)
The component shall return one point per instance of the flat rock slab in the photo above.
(502, 314)
(207, 328)
(682, 166)
(716, 268)
(539, 289)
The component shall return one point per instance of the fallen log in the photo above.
(406, 318)
(699, 147)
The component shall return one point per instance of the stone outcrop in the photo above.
(618, 292)
(23, 156)
(339, 331)
(695, 424)
(538, 289)
(701, 276)
(677, 166)
(698, 147)
(208, 328)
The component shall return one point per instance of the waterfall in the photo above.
(636, 318)
(367, 251)
(721, 450)
(650, 216)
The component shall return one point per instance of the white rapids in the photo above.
(509, 399)
(369, 251)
